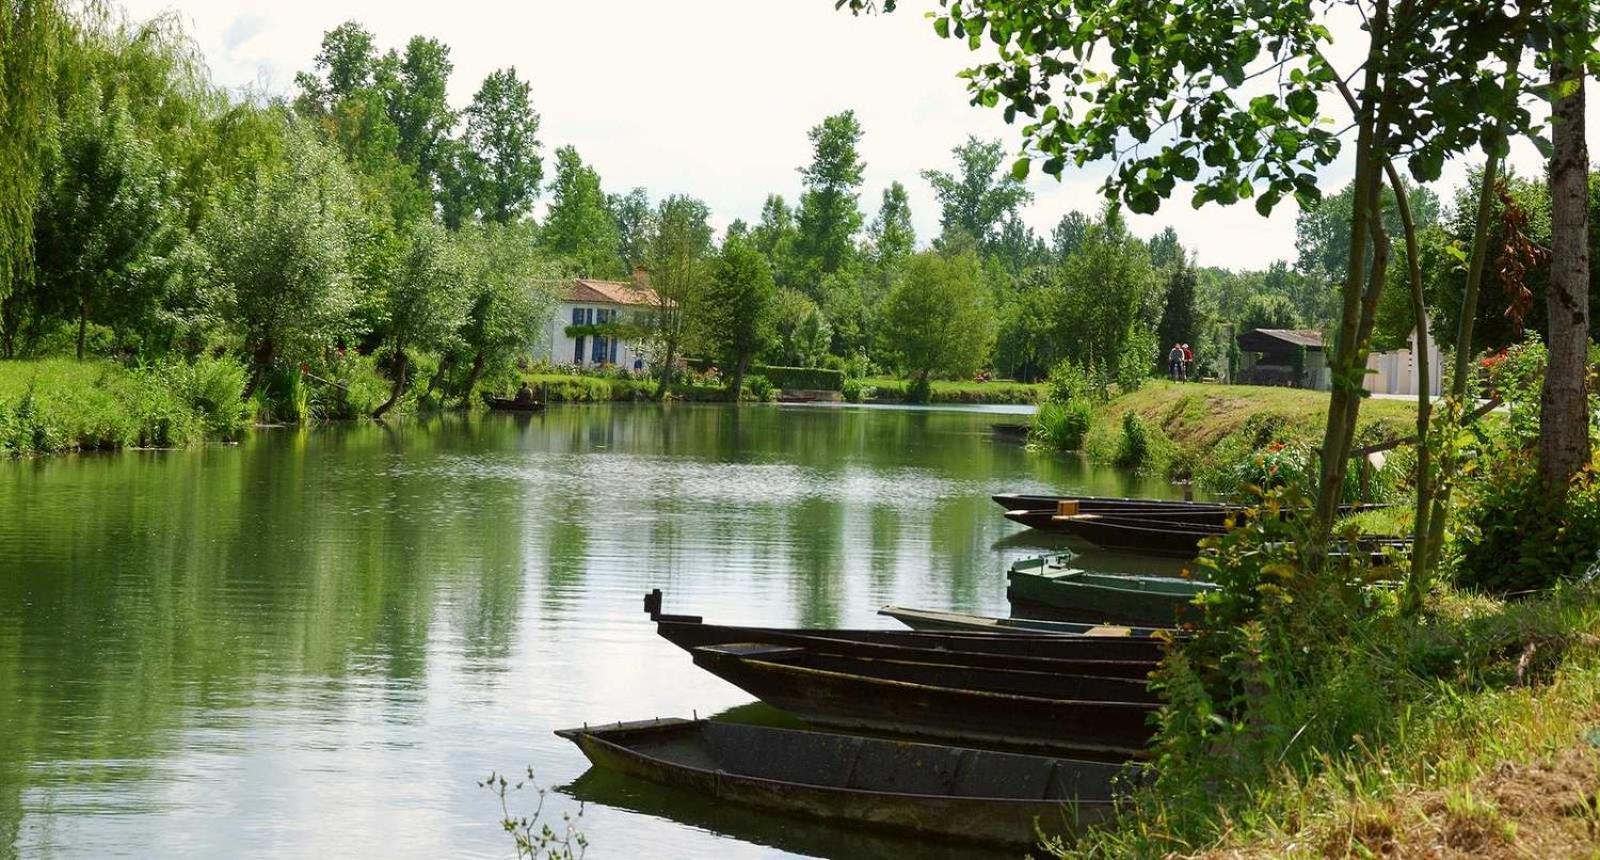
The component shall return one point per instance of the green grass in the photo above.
(1460, 703)
(951, 391)
(574, 388)
(55, 405)
(1203, 431)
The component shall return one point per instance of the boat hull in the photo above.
(918, 789)
(1123, 657)
(1114, 730)
(933, 621)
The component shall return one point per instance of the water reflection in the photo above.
(320, 638)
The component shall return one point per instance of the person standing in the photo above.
(1175, 362)
(1188, 361)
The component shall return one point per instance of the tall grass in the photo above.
(55, 405)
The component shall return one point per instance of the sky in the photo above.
(713, 98)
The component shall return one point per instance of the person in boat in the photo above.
(524, 394)
(1175, 362)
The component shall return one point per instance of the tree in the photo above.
(509, 297)
(1090, 74)
(1269, 310)
(1179, 316)
(829, 217)
(803, 332)
(28, 30)
(345, 66)
(1166, 251)
(1068, 233)
(419, 106)
(579, 225)
(1564, 413)
(1017, 247)
(938, 318)
(776, 237)
(104, 223)
(738, 310)
(281, 243)
(1110, 293)
(977, 197)
(679, 273)
(633, 216)
(504, 168)
(891, 237)
(425, 302)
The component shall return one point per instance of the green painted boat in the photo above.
(1049, 587)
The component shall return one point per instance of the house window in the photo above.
(599, 355)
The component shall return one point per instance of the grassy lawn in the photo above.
(961, 391)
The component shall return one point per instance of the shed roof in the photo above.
(1263, 339)
(610, 292)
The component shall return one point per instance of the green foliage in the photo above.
(1270, 310)
(761, 388)
(634, 219)
(810, 378)
(857, 390)
(1179, 315)
(737, 320)
(829, 215)
(919, 390)
(579, 226)
(502, 163)
(58, 405)
(937, 319)
(29, 30)
(1062, 425)
(1519, 536)
(509, 298)
(1133, 448)
(282, 245)
(980, 194)
(804, 334)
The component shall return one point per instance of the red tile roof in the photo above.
(610, 292)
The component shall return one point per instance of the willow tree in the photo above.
(28, 34)
(1235, 109)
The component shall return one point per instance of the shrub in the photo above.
(811, 378)
(1068, 382)
(919, 390)
(761, 388)
(856, 391)
(1062, 425)
(1518, 536)
(214, 387)
(1133, 448)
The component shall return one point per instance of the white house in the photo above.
(589, 302)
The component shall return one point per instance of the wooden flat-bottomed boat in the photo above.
(926, 790)
(1106, 653)
(1049, 720)
(511, 404)
(933, 620)
(1048, 586)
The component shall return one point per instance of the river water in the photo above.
(315, 643)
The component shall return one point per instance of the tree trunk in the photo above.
(473, 375)
(261, 364)
(666, 369)
(1563, 417)
(83, 326)
(401, 365)
(739, 368)
(1421, 560)
(1355, 325)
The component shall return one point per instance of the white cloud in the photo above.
(713, 98)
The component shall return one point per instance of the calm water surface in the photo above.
(313, 644)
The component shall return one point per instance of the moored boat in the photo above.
(1096, 653)
(1047, 586)
(933, 620)
(927, 790)
(1046, 720)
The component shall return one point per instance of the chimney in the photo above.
(641, 277)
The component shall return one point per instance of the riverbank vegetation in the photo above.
(1445, 704)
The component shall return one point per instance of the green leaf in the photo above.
(942, 27)
(1019, 169)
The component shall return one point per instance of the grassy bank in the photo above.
(1211, 432)
(56, 405)
(599, 388)
(1470, 732)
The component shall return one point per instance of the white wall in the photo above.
(558, 348)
